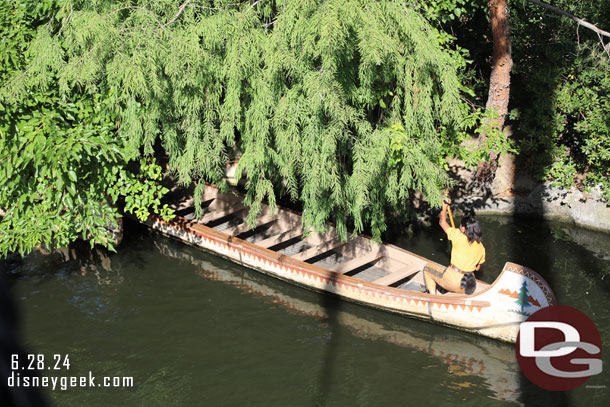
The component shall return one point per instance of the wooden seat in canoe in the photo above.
(358, 262)
(280, 238)
(244, 227)
(398, 275)
(222, 213)
(319, 249)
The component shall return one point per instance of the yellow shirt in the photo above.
(465, 256)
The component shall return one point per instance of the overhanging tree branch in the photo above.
(180, 10)
(580, 21)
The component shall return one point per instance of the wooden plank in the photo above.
(353, 264)
(398, 275)
(210, 194)
(187, 211)
(215, 215)
(243, 227)
(280, 237)
(319, 249)
(178, 206)
(419, 279)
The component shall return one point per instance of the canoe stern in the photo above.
(516, 294)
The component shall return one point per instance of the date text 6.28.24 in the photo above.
(38, 362)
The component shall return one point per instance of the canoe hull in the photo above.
(490, 360)
(493, 312)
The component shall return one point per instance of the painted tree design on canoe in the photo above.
(523, 298)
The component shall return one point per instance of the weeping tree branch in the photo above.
(149, 12)
(580, 21)
(571, 16)
(180, 10)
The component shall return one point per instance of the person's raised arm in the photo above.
(442, 220)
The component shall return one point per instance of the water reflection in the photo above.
(107, 311)
(78, 258)
(464, 355)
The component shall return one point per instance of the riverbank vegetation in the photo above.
(345, 107)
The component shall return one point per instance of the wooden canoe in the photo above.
(382, 276)
(492, 361)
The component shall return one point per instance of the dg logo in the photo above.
(559, 348)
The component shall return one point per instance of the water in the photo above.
(193, 329)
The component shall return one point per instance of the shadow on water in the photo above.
(13, 394)
(535, 252)
(541, 260)
(76, 258)
(592, 268)
(332, 306)
(532, 395)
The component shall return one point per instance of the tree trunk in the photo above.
(499, 83)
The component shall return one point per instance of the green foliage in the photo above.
(62, 173)
(303, 90)
(19, 22)
(583, 101)
(430, 162)
(497, 140)
(562, 99)
(463, 25)
(559, 85)
(63, 168)
(563, 169)
(142, 192)
(460, 144)
(447, 11)
(50, 174)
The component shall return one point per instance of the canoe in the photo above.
(492, 361)
(381, 276)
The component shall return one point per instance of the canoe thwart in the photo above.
(353, 264)
(244, 227)
(398, 275)
(280, 238)
(216, 215)
(318, 250)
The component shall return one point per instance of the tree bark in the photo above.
(499, 83)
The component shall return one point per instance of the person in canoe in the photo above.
(467, 255)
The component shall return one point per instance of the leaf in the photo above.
(59, 183)
(71, 189)
(67, 201)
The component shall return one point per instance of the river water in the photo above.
(195, 330)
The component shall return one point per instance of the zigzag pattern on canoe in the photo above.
(177, 228)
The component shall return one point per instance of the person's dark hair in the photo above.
(473, 229)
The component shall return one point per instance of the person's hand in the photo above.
(446, 199)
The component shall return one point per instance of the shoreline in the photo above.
(572, 206)
(515, 192)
